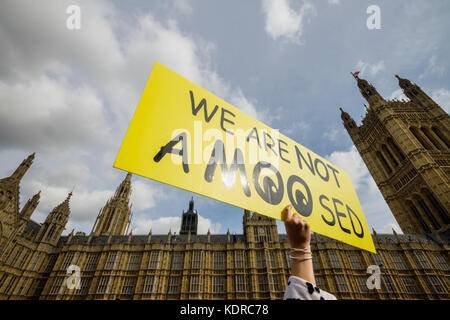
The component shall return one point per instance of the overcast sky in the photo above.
(69, 95)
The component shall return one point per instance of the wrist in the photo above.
(305, 245)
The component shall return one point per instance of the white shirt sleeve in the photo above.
(300, 289)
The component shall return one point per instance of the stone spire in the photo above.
(189, 220)
(368, 91)
(23, 167)
(115, 216)
(30, 206)
(403, 83)
(55, 223)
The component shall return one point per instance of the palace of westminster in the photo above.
(404, 144)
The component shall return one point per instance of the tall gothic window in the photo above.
(434, 284)
(68, 260)
(196, 283)
(390, 156)
(22, 286)
(387, 284)
(50, 263)
(135, 261)
(396, 149)
(92, 262)
(341, 283)
(150, 284)
(104, 285)
(376, 258)
(219, 260)
(418, 217)
(441, 136)
(431, 138)
(173, 285)
(16, 256)
(196, 259)
(419, 138)
(176, 261)
(219, 284)
(383, 162)
(262, 283)
(129, 285)
(111, 262)
(428, 212)
(333, 259)
(84, 286)
(35, 261)
(441, 261)
(362, 283)
(239, 262)
(275, 285)
(410, 285)
(56, 286)
(437, 206)
(240, 283)
(260, 259)
(154, 260)
(398, 261)
(355, 263)
(421, 260)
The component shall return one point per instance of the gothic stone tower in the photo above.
(189, 220)
(115, 217)
(259, 228)
(13, 220)
(406, 147)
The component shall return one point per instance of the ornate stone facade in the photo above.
(405, 147)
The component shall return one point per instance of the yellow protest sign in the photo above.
(187, 137)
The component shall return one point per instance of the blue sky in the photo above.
(70, 95)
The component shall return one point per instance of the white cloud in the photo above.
(352, 163)
(48, 114)
(144, 195)
(284, 22)
(374, 206)
(297, 126)
(435, 67)
(387, 229)
(442, 98)
(183, 6)
(398, 95)
(373, 69)
(84, 204)
(67, 93)
(334, 1)
(162, 225)
(332, 134)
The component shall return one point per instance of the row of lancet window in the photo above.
(431, 139)
(427, 211)
(390, 155)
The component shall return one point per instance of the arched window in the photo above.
(417, 216)
(430, 137)
(437, 206)
(384, 162)
(428, 212)
(419, 138)
(390, 156)
(396, 149)
(442, 137)
(51, 232)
